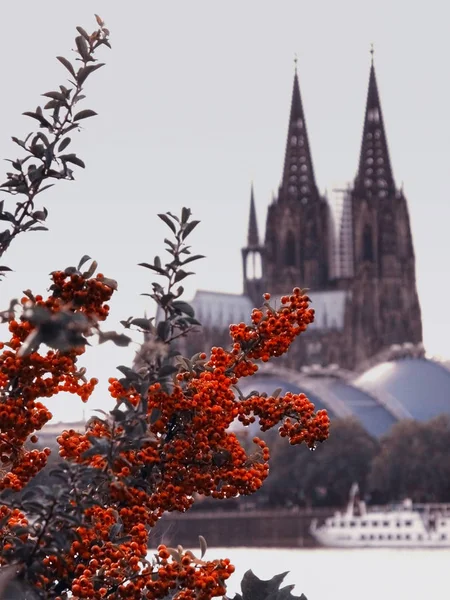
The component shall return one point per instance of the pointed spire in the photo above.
(253, 236)
(298, 174)
(374, 172)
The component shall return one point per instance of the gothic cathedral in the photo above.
(352, 250)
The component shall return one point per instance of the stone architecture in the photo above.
(352, 250)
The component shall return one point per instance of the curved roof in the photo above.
(414, 388)
(340, 398)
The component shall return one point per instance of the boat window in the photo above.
(408, 523)
(381, 537)
(407, 536)
(363, 523)
(389, 537)
(419, 537)
(399, 537)
(374, 523)
(385, 523)
(443, 536)
(443, 523)
(363, 537)
(352, 523)
(332, 523)
(342, 523)
(398, 524)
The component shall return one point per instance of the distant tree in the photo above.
(300, 478)
(414, 462)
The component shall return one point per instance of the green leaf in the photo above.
(84, 114)
(67, 64)
(168, 222)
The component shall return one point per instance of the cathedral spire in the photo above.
(298, 174)
(252, 237)
(374, 172)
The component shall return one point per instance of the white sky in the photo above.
(193, 104)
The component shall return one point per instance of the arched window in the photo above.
(289, 250)
(367, 244)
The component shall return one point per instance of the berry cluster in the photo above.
(25, 378)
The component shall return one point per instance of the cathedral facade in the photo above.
(352, 250)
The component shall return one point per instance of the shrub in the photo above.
(167, 436)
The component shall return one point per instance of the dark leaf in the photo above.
(117, 338)
(59, 96)
(189, 227)
(84, 114)
(154, 416)
(63, 145)
(142, 323)
(184, 307)
(84, 72)
(181, 275)
(168, 221)
(167, 370)
(148, 266)
(163, 330)
(38, 117)
(72, 158)
(185, 214)
(67, 64)
(82, 48)
(84, 259)
(83, 33)
(192, 258)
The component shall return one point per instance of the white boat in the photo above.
(403, 526)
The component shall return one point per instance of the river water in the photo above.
(330, 574)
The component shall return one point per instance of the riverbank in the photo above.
(284, 528)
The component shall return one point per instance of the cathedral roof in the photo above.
(219, 309)
(329, 307)
(421, 387)
(340, 398)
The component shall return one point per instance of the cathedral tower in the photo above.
(252, 258)
(296, 227)
(386, 305)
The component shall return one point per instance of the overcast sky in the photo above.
(193, 104)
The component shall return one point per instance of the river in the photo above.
(330, 574)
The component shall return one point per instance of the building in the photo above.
(363, 356)
(352, 250)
